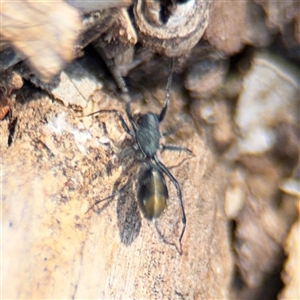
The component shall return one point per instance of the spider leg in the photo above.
(175, 148)
(123, 123)
(129, 115)
(161, 236)
(108, 199)
(168, 88)
(117, 191)
(165, 170)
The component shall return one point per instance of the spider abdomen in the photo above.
(152, 192)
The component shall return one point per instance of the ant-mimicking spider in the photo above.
(152, 192)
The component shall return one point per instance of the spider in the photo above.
(152, 192)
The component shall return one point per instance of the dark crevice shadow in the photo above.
(11, 131)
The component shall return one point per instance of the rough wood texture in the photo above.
(176, 33)
(58, 165)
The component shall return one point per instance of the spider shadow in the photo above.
(128, 214)
(127, 208)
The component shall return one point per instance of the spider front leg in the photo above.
(163, 112)
(168, 88)
(121, 119)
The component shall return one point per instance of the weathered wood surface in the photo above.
(55, 169)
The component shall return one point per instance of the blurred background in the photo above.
(236, 90)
